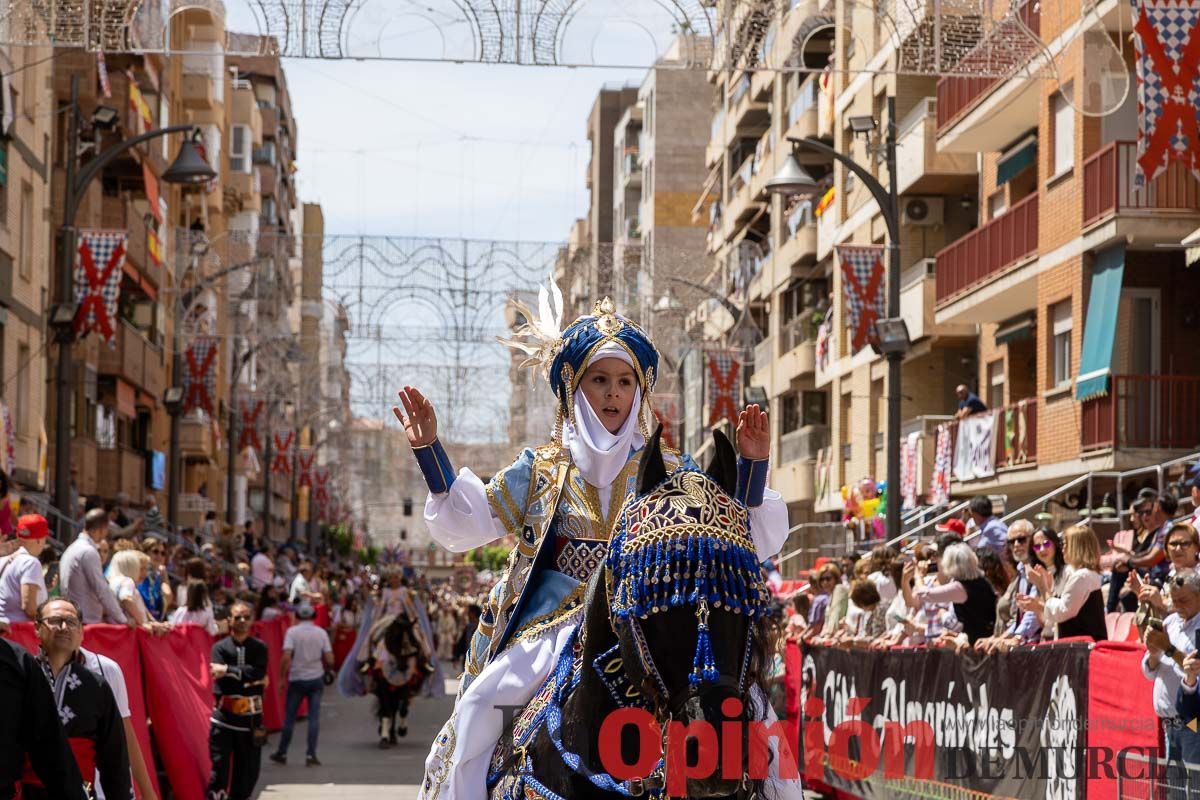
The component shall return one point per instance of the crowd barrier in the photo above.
(170, 692)
(1061, 720)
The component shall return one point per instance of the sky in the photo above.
(443, 149)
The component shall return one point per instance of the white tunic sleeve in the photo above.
(769, 525)
(461, 519)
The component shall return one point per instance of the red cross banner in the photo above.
(666, 411)
(725, 370)
(321, 493)
(282, 465)
(99, 261)
(200, 375)
(248, 436)
(1168, 85)
(862, 284)
(305, 468)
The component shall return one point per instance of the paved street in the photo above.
(350, 756)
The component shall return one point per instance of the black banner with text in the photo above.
(886, 724)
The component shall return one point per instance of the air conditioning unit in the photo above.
(921, 211)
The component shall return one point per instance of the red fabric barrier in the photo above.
(343, 644)
(179, 694)
(791, 682)
(275, 693)
(1120, 707)
(120, 643)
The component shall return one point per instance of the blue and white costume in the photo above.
(559, 503)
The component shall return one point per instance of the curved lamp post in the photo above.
(189, 168)
(891, 334)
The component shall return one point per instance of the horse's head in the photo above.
(688, 602)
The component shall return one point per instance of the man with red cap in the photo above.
(22, 585)
(952, 525)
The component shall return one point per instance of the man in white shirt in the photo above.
(1165, 651)
(262, 569)
(22, 585)
(307, 654)
(301, 590)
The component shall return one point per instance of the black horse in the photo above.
(397, 670)
(674, 624)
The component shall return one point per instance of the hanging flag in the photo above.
(200, 375)
(725, 386)
(152, 195)
(138, 104)
(248, 437)
(826, 201)
(1168, 85)
(666, 411)
(97, 289)
(305, 468)
(862, 281)
(939, 484)
(321, 492)
(154, 247)
(102, 70)
(43, 453)
(282, 465)
(10, 440)
(908, 473)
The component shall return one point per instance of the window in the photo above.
(997, 204)
(239, 148)
(791, 413)
(106, 427)
(1063, 134)
(408, 506)
(25, 243)
(995, 390)
(1060, 344)
(814, 408)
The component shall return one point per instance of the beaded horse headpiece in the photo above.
(685, 541)
(563, 355)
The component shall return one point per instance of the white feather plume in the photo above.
(542, 332)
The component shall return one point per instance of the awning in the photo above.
(1016, 159)
(1016, 329)
(1100, 325)
(1191, 244)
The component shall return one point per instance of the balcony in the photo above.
(83, 456)
(1160, 412)
(120, 470)
(981, 114)
(197, 92)
(747, 116)
(1168, 206)
(127, 360)
(764, 165)
(920, 167)
(739, 207)
(196, 439)
(631, 169)
(802, 113)
(1014, 436)
(985, 253)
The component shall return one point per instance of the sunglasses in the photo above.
(1181, 543)
(1144, 512)
(827, 579)
(1043, 546)
(241, 618)
(1019, 540)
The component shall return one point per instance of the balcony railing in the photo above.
(957, 94)
(800, 330)
(1014, 435)
(1153, 411)
(805, 100)
(120, 471)
(986, 251)
(803, 444)
(764, 351)
(1110, 186)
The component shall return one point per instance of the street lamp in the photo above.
(185, 170)
(794, 179)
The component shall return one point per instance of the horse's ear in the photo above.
(722, 467)
(652, 471)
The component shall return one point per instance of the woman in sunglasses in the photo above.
(1183, 552)
(827, 578)
(156, 587)
(1072, 606)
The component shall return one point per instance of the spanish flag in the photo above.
(826, 201)
(154, 247)
(138, 104)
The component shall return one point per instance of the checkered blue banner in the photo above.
(99, 261)
(862, 285)
(200, 375)
(725, 372)
(1168, 85)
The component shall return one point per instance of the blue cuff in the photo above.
(751, 481)
(435, 466)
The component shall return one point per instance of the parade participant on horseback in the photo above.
(558, 502)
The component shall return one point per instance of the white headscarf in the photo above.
(598, 454)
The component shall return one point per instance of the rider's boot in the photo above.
(402, 726)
